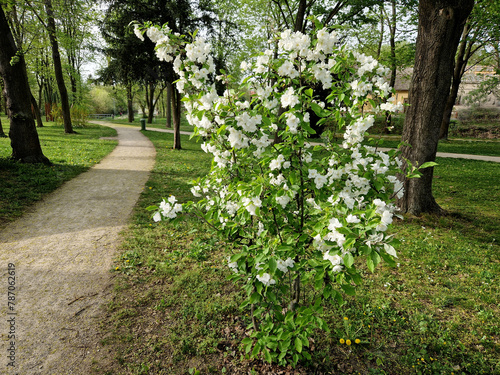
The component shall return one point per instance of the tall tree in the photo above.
(58, 70)
(135, 61)
(23, 135)
(440, 25)
(481, 29)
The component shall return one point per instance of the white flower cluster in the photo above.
(266, 279)
(168, 209)
(284, 265)
(260, 149)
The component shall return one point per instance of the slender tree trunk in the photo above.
(36, 112)
(130, 103)
(440, 25)
(23, 136)
(169, 105)
(458, 72)
(150, 95)
(51, 26)
(176, 107)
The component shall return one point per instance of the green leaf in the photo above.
(348, 260)
(272, 265)
(255, 297)
(428, 165)
(267, 355)
(256, 349)
(369, 263)
(317, 109)
(349, 290)
(298, 344)
(375, 257)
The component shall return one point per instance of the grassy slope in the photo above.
(71, 154)
(437, 312)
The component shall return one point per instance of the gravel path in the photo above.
(61, 253)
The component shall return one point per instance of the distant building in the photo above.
(470, 81)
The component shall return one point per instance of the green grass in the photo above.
(158, 123)
(71, 154)
(453, 145)
(460, 146)
(436, 313)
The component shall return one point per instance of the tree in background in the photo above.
(134, 61)
(440, 26)
(56, 57)
(76, 18)
(480, 34)
(24, 138)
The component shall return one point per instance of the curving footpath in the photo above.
(60, 253)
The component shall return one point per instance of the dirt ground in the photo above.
(60, 254)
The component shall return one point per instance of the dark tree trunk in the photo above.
(299, 19)
(440, 25)
(130, 107)
(176, 109)
(169, 105)
(462, 58)
(150, 94)
(2, 133)
(23, 136)
(36, 112)
(51, 28)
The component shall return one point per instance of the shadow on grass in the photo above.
(24, 184)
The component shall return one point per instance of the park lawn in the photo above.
(158, 123)
(437, 312)
(472, 146)
(71, 154)
(455, 146)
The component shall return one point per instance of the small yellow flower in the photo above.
(342, 341)
(357, 341)
(346, 318)
(348, 342)
(128, 260)
(117, 268)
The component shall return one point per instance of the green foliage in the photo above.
(439, 303)
(101, 100)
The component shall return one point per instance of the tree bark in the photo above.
(130, 106)
(440, 25)
(51, 28)
(169, 105)
(23, 136)
(36, 111)
(150, 95)
(458, 72)
(176, 109)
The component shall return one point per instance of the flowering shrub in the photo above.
(300, 213)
